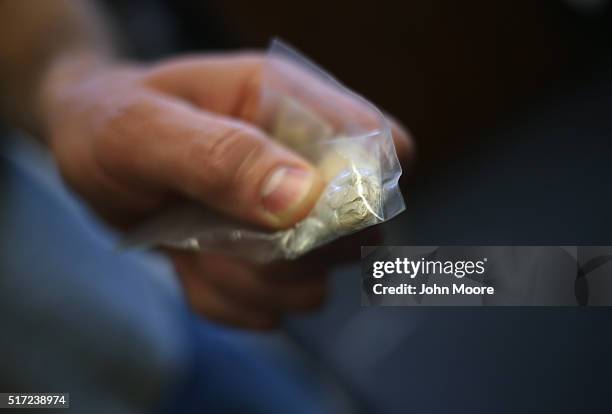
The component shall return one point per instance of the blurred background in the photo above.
(510, 105)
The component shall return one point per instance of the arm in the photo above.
(130, 139)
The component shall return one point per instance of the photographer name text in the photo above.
(406, 268)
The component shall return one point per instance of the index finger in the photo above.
(233, 85)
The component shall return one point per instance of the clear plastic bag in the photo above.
(343, 135)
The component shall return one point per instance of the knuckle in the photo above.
(228, 158)
(309, 300)
(126, 116)
(123, 126)
(263, 322)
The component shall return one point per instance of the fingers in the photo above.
(273, 288)
(239, 294)
(232, 85)
(403, 141)
(227, 84)
(206, 299)
(224, 163)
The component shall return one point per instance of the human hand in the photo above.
(131, 140)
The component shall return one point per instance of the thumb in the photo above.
(226, 164)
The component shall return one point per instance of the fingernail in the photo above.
(285, 188)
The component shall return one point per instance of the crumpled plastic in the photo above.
(343, 135)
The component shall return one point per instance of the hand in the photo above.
(131, 139)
